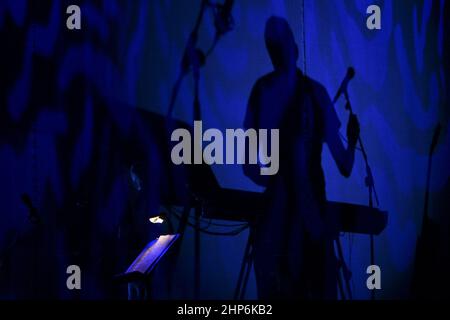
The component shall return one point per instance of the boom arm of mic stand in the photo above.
(188, 56)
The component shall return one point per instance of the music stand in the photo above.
(138, 275)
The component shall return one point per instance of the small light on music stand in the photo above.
(159, 219)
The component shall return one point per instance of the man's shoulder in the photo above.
(265, 79)
(316, 86)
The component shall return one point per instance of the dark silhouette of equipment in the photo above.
(428, 240)
(246, 206)
(236, 205)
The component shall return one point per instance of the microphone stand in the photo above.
(193, 59)
(369, 182)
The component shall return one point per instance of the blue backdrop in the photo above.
(67, 97)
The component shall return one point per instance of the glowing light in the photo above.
(156, 220)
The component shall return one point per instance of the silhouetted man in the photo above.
(293, 246)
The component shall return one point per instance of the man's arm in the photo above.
(252, 171)
(345, 157)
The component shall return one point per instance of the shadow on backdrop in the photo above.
(293, 248)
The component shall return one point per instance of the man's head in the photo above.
(280, 43)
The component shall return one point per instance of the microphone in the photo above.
(223, 20)
(343, 88)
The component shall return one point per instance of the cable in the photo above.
(210, 223)
(203, 230)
